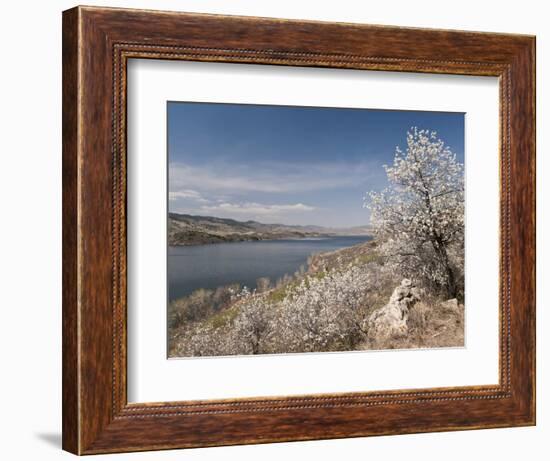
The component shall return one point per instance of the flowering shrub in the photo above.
(254, 322)
(323, 313)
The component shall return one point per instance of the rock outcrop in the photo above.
(391, 320)
(450, 305)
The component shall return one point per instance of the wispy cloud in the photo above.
(279, 178)
(256, 209)
(187, 194)
(273, 190)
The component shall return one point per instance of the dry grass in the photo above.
(430, 325)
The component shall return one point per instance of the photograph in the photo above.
(298, 229)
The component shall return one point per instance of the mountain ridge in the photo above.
(187, 229)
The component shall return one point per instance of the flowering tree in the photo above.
(420, 216)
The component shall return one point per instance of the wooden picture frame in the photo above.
(97, 43)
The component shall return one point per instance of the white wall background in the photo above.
(30, 230)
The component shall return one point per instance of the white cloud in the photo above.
(269, 191)
(269, 178)
(186, 194)
(256, 209)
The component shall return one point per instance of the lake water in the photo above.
(215, 265)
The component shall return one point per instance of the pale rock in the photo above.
(450, 305)
(391, 320)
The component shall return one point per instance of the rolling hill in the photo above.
(184, 229)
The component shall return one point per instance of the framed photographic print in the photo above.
(284, 230)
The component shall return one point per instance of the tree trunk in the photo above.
(441, 250)
(255, 347)
(451, 282)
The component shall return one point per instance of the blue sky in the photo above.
(286, 164)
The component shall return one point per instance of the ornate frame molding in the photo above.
(97, 45)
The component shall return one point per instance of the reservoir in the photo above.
(214, 265)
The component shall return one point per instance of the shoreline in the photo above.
(276, 239)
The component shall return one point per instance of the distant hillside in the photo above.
(184, 229)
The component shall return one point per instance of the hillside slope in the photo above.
(184, 229)
(326, 308)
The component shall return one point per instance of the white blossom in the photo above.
(420, 216)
